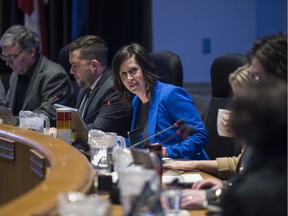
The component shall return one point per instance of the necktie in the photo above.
(84, 103)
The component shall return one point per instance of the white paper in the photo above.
(183, 178)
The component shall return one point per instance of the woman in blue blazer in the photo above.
(156, 106)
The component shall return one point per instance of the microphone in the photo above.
(184, 130)
(175, 125)
(54, 98)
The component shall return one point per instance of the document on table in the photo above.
(183, 178)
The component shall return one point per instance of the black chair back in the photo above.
(63, 59)
(221, 68)
(169, 67)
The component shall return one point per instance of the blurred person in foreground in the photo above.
(157, 105)
(35, 79)
(97, 100)
(223, 167)
(260, 118)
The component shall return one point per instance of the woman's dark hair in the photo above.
(259, 115)
(271, 52)
(142, 57)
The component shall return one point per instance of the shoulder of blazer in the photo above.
(44, 62)
(106, 81)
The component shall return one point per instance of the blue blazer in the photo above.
(168, 104)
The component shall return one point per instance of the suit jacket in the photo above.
(168, 104)
(48, 79)
(2, 94)
(104, 109)
(261, 189)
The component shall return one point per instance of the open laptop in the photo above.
(143, 157)
(78, 126)
(7, 117)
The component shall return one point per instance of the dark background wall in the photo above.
(117, 21)
(198, 31)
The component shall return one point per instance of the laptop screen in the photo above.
(7, 117)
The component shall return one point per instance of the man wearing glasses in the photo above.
(35, 79)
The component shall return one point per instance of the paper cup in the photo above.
(221, 128)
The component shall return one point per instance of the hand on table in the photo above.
(208, 183)
(193, 198)
(53, 131)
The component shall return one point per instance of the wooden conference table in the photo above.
(35, 168)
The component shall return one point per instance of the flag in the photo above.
(79, 18)
(35, 19)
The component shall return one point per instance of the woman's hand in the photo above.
(53, 131)
(226, 123)
(208, 183)
(193, 198)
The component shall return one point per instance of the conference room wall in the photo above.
(186, 26)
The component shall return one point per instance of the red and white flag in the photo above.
(35, 19)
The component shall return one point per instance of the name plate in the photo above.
(7, 149)
(37, 164)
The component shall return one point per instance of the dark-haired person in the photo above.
(103, 110)
(35, 79)
(260, 119)
(268, 57)
(157, 105)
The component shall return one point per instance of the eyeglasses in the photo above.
(132, 71)
(11, 58)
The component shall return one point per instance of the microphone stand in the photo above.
(47, 102)
(177, 124)
(56, 97)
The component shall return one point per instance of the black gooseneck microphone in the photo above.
(185, 131)
(54, 98)
(175, 125)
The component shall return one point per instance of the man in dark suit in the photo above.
(35, 79)
(98, 103)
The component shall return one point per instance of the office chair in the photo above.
(169, 67)
(5, 73)
(63, 59)
(220, 70)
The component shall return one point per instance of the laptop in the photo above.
(143, 157)
(78, 125)
(7, 117)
